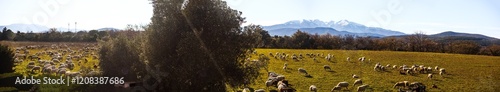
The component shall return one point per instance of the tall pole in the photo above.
(68, 27)
(75, 27)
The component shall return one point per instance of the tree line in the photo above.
(417, 42)
(53, 35)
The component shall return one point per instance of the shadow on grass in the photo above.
(309, 76)
(331, 71)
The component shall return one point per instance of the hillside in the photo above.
(450, 36)
(465, 73)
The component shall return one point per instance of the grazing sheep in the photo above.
(72, 74)
(36, 68)
(362, 88)
(246, 90)
(260, 90)
(401, 84)
(394, 66)
(355, 76)
(269, 83)
(336, 88)
(61, 71)
(436, 68)
(31, 63)
(312, 88)
(327, 67)
(302, 70)
(357, 82)
(282, 86)
(361, 59)
(343, 84)
(442, 70)
(417, 87)
(348, 59)
(429, 76)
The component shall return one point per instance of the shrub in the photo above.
(6, 59)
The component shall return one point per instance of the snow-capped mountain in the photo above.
(342, 25)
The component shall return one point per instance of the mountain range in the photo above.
(39, 28)
(341, 27)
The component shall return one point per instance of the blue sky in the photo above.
(408, 16)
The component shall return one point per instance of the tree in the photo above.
(493, 50)
(465, 47)
(261, 36)
(7, 34)
(196, 46)
(301, 40)
(6, 59)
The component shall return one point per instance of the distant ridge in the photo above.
(316, 26)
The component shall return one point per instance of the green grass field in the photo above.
(465, 73)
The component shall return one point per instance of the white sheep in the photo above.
(401, 84)
(336, 88)
(355, 76)
(362, 88)
(343, 84)
(36, 68)
(260, 90)
(246, 90)
(327, 67)
(313, 88)
(348, 59)
(357, 82)
(302, 70)
(429, 76)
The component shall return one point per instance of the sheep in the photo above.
(61, 71)
(282, 86)
(312, 88)
(269, 83)
(327, 67)
(348, 59)
(343, 84)
(260, 90)
(355, 76)
(417, 87)
(401, 84)
(280, 78)
(442, 71)
(31, 63)
(388, 65)
(361, 59)
(357, 81)
(72, 74)
(394, 66)
(436, 68)
(246, 90)
(429, 76)
(302, 70)
(35, 68)
(336, 88)
(362, 88)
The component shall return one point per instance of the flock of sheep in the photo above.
(283, 86)
(62, 59)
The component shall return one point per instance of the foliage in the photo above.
(6, 59)
(120, 57)
(196, 46)
(54, 35)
